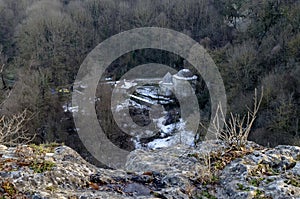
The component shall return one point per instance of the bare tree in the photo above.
(2, 77)
(2, 64)
(12, 129)
(143, 13)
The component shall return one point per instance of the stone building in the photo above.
(182, 83)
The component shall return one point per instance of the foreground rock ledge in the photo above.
(210, 170)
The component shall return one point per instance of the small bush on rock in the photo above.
(236, 129)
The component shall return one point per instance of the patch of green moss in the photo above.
(241, 187)
(219, 165)
(298, 157)
(256, 181)
(158, 195)
(42, 166)
(210, 179)
(44, 148)
(259, 194)
(194, 155)
(293, 181)
(50, 188)
(206, 194)
(40, 149)
(264, 169)
(269, 180)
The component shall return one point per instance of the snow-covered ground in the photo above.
(182, 137)
(170, 135)
(152, 92)
(127, 103)
(69, 108)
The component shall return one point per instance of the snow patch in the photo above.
(171, 135)
(72, 109)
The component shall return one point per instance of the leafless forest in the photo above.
(254, 43)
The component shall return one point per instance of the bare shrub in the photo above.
(236, 128)
(204, 171)
(13, 131)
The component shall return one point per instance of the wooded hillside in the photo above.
(254, 43)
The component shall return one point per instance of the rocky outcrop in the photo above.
(210, 170)
(267, 173)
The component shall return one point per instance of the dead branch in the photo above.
(236, 128)
(13, 131)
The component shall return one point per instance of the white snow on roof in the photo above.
(185, 78)
(185, 74)
(128, 85)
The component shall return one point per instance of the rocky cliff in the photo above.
(210, 170)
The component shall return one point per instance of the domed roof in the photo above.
(185, 74)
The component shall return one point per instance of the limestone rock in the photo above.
(272, 173)
(210, 170)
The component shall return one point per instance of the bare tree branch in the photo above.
(13, 131)
(236, 128)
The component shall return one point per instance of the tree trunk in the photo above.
(2, 78)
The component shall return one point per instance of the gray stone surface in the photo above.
(175, 172)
